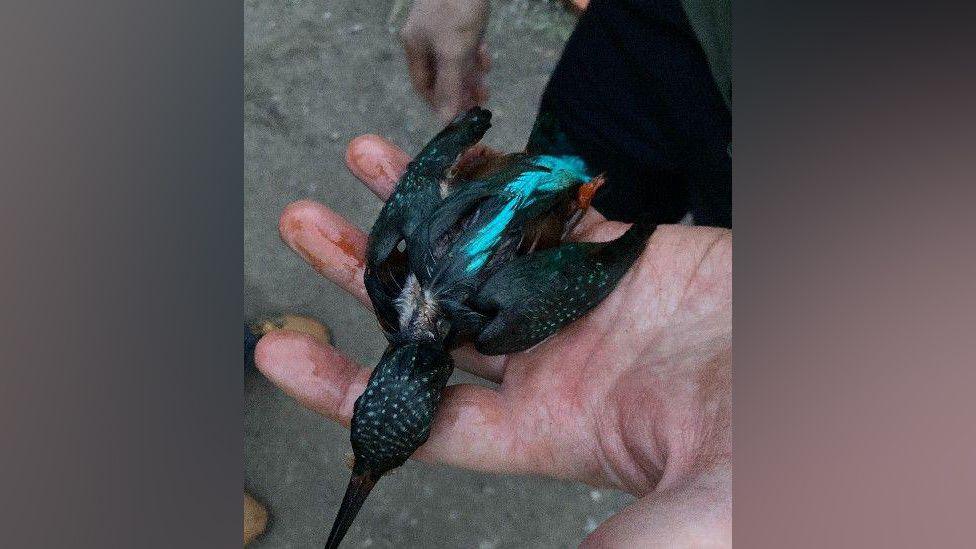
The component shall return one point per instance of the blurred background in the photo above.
(317, 74)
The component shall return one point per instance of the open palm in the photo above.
(636, 395)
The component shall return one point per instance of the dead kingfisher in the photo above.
(476, 254)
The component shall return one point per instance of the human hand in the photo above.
(445, 53)
(636, 395)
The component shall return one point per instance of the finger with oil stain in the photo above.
(315, 374)
(330, 244)
(377, 163)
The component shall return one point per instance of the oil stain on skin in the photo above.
(338, 257)
(353, 248)
(370, 162)
(350, 245)
(310, 258)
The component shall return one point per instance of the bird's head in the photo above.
(391, 419)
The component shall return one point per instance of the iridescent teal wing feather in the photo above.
(483, 222)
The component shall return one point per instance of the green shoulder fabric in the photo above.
(712, 22)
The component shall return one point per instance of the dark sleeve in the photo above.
(634, 94)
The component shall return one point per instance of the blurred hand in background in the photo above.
(446, 55)
(635, 395)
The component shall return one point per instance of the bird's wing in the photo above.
(418, 191)
(416, 195)
(533, 296)
(464, 210)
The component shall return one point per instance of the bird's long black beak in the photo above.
(359, 486)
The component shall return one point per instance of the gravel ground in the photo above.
(316, 74)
